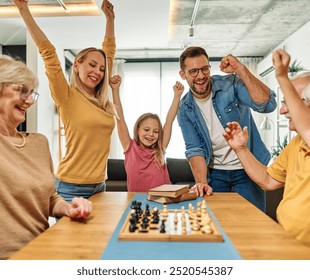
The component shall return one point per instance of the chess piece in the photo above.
(195, 225)
(155, 218)
(133, 225)
(204, 207)
(138, 208)
(207, 229)
(133, 204)
(145, 219)
(165, 212)
(162, 227)
(144, 225)
(175, 220)
(147, 210)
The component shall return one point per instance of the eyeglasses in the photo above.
(194, 72)
(24, 92)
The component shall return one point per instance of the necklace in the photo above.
(22, 145)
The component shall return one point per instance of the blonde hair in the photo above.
(101, 90)
(16, 72)
(158, 146)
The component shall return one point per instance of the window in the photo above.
(148, 87)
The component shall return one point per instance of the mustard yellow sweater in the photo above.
(88, 128)
(292, 167)
(28, 194)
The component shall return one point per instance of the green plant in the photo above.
(295, 67)
(276, 150)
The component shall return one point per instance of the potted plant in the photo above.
(295, 67)
(276, 150)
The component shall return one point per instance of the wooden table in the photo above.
(254, 234)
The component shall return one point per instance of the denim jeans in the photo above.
(239, 182)
(69, 190)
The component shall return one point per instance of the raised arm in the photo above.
(108, 10)
(109, 46)
(236, 138)
(122, 128)
(178, 89)
(259, 92)
(299, 112)
(35, 31)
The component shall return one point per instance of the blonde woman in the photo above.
(83, 105)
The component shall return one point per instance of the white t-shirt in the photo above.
(223, 157)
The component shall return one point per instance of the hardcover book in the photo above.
(169, 190)
(167, 200)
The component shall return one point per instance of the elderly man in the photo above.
(298, 108)
(291, 168)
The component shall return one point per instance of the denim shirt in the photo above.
(232, 102)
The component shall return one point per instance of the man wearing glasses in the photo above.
(298, 106)
(204, 111)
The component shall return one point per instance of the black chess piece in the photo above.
(133, 204)
(144, 225)
(162, 227)
(155, 218)
(147, 210)
(135, 216)
(133, 225)
(145, 219)
(138, 208)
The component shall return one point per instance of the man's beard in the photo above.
(203, 91)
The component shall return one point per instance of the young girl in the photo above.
(144, 155)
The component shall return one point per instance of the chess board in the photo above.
(193, 224)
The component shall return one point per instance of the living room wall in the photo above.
(298, 46)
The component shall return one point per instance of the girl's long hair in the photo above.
(158, 146)
(101, 98)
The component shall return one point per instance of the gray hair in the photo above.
(306, 91)
(16, 72)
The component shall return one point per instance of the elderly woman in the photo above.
(28, 194)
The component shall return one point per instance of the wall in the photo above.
(298, 46)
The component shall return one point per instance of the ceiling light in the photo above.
(191, 31)
(81, 8)
(191, 25)
(63, 5)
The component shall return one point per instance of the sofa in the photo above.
(180, 173)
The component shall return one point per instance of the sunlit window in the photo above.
(148, 87)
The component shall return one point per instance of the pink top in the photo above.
(143, 173)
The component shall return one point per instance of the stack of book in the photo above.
(171, 194)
